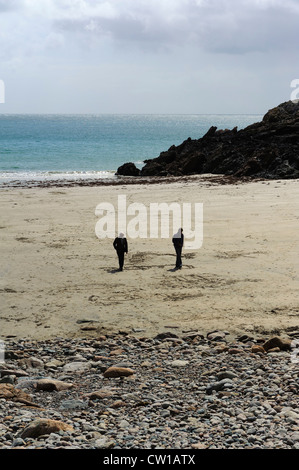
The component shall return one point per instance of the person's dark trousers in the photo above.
(178, 250)
(121, 257)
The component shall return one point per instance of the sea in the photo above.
(88, 147)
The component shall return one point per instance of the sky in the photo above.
(147, 56)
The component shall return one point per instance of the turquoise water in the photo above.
(41, 147)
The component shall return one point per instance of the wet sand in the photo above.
(59, 280)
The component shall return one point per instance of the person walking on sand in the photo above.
(178, 243)
(121, 246)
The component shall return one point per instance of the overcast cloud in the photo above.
(153, 56)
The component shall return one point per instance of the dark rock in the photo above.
(268, 149)
(167, 334)
(220, 385)
(226, 374)
(283, 344)
(216, 335)
(128, 169)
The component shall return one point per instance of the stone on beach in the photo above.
(16, 372)
(284, 344)
(257, 349)
(53, 363)
(184, 398)
(76, 366)
(113, 372)
(216, 335)
(179, 363)
(32, 362)
(42, 426)
(100, 394)
(116, 352)
(9, 392)
(50, 385)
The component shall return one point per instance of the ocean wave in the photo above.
(10, 176)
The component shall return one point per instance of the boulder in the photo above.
(42, 426)
(128, 169)
(283, 344)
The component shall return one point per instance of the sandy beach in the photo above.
(58, 279)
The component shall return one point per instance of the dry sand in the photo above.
(55, 272)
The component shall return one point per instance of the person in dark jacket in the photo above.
(178, 243)
(121, 246)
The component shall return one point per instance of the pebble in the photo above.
(121, 391)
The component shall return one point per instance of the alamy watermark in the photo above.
(295, 92)
(295, 351)
(2, 352)
(2, 92)
(159, 220)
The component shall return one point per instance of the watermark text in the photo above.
(2, 92)
(2, 352)
(295, 92)
(295, 351)
(158, 220)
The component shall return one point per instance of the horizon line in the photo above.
(130, 114)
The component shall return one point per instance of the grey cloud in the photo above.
(123, 30)
(247, 29)
(10, 5)
(216, 26)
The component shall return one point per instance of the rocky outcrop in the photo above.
(267, 149)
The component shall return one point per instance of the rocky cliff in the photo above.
(267, 149)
